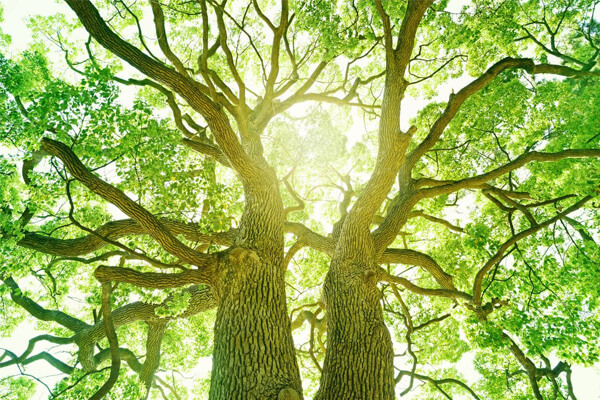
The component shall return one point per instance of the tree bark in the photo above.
(254, 356)
(359, 359)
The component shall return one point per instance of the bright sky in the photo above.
(586, 381)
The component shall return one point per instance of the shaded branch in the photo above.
(477, 284)
(197, 95)
(114, 230)
(161, 36)
(447, 224)
(456, 100)
(44, 356)
(384, 276)
(152, 280)
(477, 181)
(413, 257)
(437, 382)
(40, 312)
(113, 342)
(148, 221)
(23, 358)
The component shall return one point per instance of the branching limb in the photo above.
(413, 257)
(408, 322)
(384, 276)
(309, 238)
(477, 285)
(131, 252)
(447, 224)
(201, 299)
(292, 252)
(124, 354)
(40, 312)
(278, 33)
(148, 221)
(241, 98)
(161, 35)
(195, 94)
(300, 203)
(392, 142)
(456, 100)
(208, 148)
(23, 358)
(114, 230)
(45, 356)
(320, 325)
(152, 280)
(438, 382)
(112, 340)
(477, 181)
(153, 341)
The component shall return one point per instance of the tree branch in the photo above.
(40, 312)
(161, 36)
(114, 230)
(384, 276)
(196, 95)
(113, 342)
(456, 100)
(152, 280)
(413, 257)
(477, 181)
(148, 221)
(477, 289)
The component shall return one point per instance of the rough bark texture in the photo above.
(254, 356)
(359, 360)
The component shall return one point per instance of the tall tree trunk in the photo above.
(359, 358)
(254, 356)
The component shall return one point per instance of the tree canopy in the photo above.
(352, 199)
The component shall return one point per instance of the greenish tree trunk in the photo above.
(254, 356)
(359, 359)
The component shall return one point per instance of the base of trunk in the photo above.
(254, 356)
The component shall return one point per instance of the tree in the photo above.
(246, 197)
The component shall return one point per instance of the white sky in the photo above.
(586, 381)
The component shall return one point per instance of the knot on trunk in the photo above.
(288, 393)
(239, 255)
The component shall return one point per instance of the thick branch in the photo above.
(113, 342)
(477, 181)
(161, 35)
(456, 100)
(197, 95)
(209, 149)
(510, 242)
(40, 312)
(451, 294)
(201, 299)
(152, 280)
(392, 141)
(114, 230)
(309, 238)
(153, 342)
(148, 221)
(447, 224)
(413, 257)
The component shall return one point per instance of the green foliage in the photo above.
(18, 388)
(542, 294)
